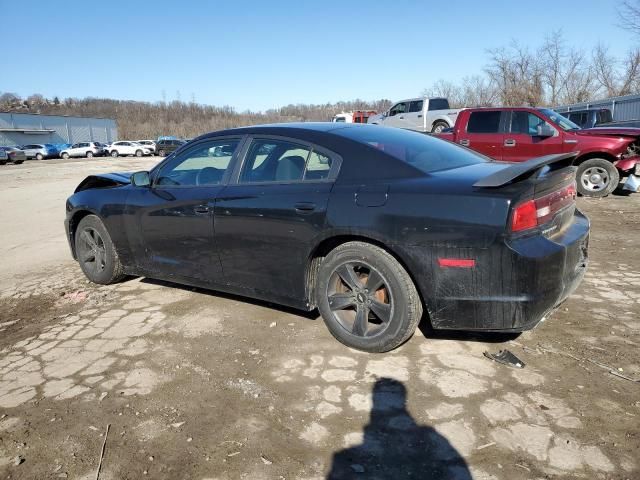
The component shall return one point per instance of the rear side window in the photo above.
(484, 122)
(318, 167)
(416, 106)
(439, 104)
(423, 152)
(274, 161)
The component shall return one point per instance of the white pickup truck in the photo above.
(420, 114)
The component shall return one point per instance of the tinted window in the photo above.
(416, 106)
(274, 161)
(484, 122)
(526, 123)
(318, 167)
(203, 164)
(438, 104)
(423, 152)
(398, 108)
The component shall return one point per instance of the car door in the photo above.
(396, 117)
(172, 221)
(414, 118)
(484, 133)
(74, 150)
(268, 217)
(522, 141)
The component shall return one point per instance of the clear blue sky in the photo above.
(253, 54)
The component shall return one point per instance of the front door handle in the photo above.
(420, 116)
(305, 207)
(509, 142)
(400, 117)
(464, 142)
(202, 210)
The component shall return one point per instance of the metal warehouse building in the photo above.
(622, 108)
(25, 128)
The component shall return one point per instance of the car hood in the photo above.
(104, 180)
(610, 131)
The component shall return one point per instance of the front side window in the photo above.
(526, 123)
(416, 106)
(398, 108)
(274, 161)
(203, 164)
(484, 122)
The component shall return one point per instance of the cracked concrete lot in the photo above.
(199, 385)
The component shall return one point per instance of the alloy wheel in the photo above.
(594, 179)
(360, 299)
(91, 250)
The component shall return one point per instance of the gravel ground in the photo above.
(199, 385)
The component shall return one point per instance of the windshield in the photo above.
(563, 122)
(421, 151)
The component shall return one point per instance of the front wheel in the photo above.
(114, 153)
(96, 254)
(138, 153)
(366, 298)
(597, 177)
(65, 156)
(39, 156)
(161, 153)
(438, 127)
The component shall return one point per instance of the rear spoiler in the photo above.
(516, 170)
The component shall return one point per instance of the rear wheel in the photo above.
(96, 254)
(439, 126)
(3, 162)
(114, 153)
(39, 156)
(18, 162)
(366, 298)
(597, 177)
(138, 153)
(89, 154)
(161, 153)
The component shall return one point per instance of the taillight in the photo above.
(540, 210)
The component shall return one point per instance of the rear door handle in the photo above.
(509, 142)
(464, 142)
(201, 210)
(305, 207)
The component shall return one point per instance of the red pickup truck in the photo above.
(518, 134)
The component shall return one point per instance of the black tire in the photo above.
(161, 153)
(379, 280)
(18, 162)
(3, 162)
(138, 153)
(114, 153)
(597, 177)
(65, 156)
(89, 154)
(439, 126)
(39, 156)
(96, 254)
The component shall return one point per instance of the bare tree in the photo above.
(629, 15)
(604, 69)
(517, 74)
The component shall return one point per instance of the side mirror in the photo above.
(545, 131)
(141, 179)
(385, 114)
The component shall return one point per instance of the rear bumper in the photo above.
(514, 285)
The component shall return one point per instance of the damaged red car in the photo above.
(378, 228)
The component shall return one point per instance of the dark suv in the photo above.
(165, 147)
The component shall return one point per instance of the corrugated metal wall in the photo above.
(623, 108)
(65, 129)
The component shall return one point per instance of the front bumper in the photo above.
(514, 285)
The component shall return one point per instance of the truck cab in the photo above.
(519, 134)
(421, 114)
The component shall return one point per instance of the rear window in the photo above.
(484, 122)
(421, 151)
(438, 104)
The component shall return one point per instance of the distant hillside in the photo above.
(137, 120)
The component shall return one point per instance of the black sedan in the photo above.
(375, 227)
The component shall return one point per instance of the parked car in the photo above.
(128, 148)
(419, 114)
(601, 117)
(149, 144)
(518, 134)
(83, 149)
(373, 226)
(40, 151)
(11, 155)
(165, 147)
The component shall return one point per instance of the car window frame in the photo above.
(176, 157)
(546, 122)
(336, 161)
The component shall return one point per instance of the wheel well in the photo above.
(328, 244)
(589, 156)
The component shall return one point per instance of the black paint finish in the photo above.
(260, 240)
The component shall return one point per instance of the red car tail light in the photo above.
(540, 210)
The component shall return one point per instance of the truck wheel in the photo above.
(597, 177)
(366, 298)
(439, 126)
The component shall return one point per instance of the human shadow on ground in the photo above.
(396, 447)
